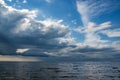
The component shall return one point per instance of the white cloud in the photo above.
(97, 7)
(2, 3)
(93, 45)
(112, 33)
(92, 38)
(48, 1)
(91, 29)
(93, 41)
(24, 1)
(69, 40)
(83, 11)
(49, 28)
(20, 51)
(53, 26)
(9, 0)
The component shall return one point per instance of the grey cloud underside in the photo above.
(36, 35)
(92, 50)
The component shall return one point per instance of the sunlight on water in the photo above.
(59, 71)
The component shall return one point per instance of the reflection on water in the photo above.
(60, 71)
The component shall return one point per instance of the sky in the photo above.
(83, 29)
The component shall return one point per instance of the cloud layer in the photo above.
(22, 34)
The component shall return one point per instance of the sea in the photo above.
(60, 70)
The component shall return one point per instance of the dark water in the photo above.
(60, 71)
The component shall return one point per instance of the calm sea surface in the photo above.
(60, 71)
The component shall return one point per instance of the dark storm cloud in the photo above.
(6, 47)
(19, 29)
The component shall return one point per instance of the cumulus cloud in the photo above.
(24, 31)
